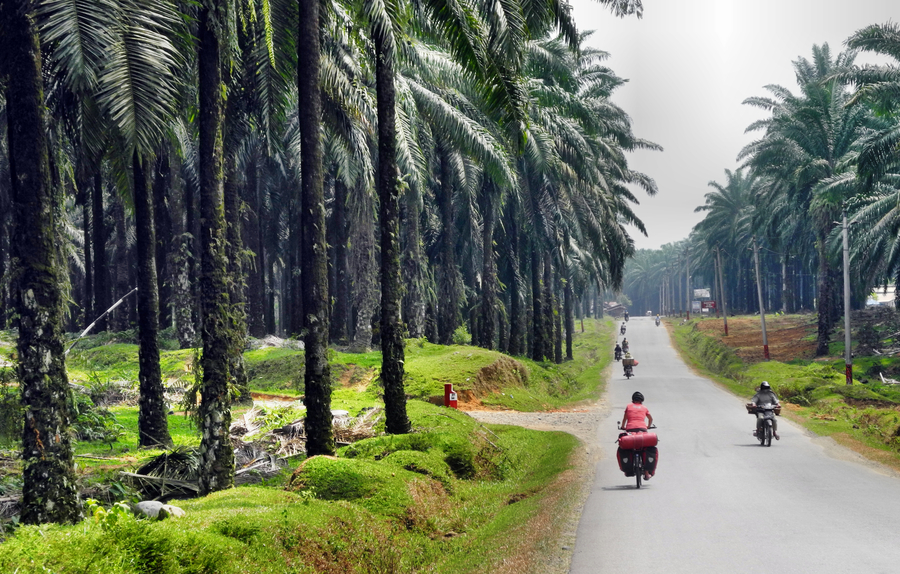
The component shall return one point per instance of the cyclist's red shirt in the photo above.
(635, 415)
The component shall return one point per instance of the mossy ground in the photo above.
(365, 511)
(864, 416)
(441, 499)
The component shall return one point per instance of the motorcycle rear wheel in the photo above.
(768, 435)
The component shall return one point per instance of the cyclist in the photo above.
(634, 421)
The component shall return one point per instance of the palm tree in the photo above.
(216, 454)
(49, 475)
(320, 438)
(809, 139)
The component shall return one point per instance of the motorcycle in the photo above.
(622, 329)
(657, 321)
(637, 451)
(765, 421)
(626, 317)
(629, 364)
(618, 354)
(625, 347)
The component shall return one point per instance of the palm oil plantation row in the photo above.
(349, 173)
(830, 149)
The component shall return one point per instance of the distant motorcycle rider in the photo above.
(622, 329)
(618, 352)
(765, 395)
(625, 345)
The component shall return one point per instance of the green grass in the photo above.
(363, 512)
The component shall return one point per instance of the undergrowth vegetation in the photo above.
(432, 500)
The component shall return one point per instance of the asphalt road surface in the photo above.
(719, 502)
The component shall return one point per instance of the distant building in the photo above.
(882, 296)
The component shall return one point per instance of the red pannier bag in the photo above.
(638, 440)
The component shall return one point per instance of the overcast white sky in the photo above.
(690, 64)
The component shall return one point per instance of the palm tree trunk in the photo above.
(569, 303)
(516, 312)
(153, 427)
(234, 255)
(120, 265)
(256, 286)
(83, 190)
(539, 344)
(48, 492)
(340, 332)
(448, 274)
(414, 267)
(163, 221)
(557, 318)
(823, 300)
(216, 454)
(392, 354)
(5, 303)
(319, 431)
(549, 307)
(101, 271)
(488, 320)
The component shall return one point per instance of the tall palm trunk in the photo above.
(539, 339)
(340, 323)
(448, 275)
(414, 268)
(516, 292)
(488, 320)
(83, 190)
(48, 493)
(162, 217)
(153, 426)
(319, 431)
(824, 296)
(234, 254)
(392, 354)
(216, 454)
(569, 304)
(256, 307)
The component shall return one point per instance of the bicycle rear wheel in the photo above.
(638, 468)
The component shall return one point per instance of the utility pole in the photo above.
(722, 291)
(762, 310)
(848, 359)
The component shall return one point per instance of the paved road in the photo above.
(720, 502)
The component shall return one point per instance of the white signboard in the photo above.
(695, 306)
(701, 293)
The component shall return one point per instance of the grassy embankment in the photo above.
(864, 416)
(454, 496)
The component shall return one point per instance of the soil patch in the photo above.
(790, 337)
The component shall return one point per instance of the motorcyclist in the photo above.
(657, 319)
(629, 363)
(625, 345)
(765, 395)
(618, 352)
(633, 421)
(626, 315)
(622, 329)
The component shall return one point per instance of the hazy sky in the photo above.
(690, 64)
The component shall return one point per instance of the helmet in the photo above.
(637, 397)
(764, 386)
